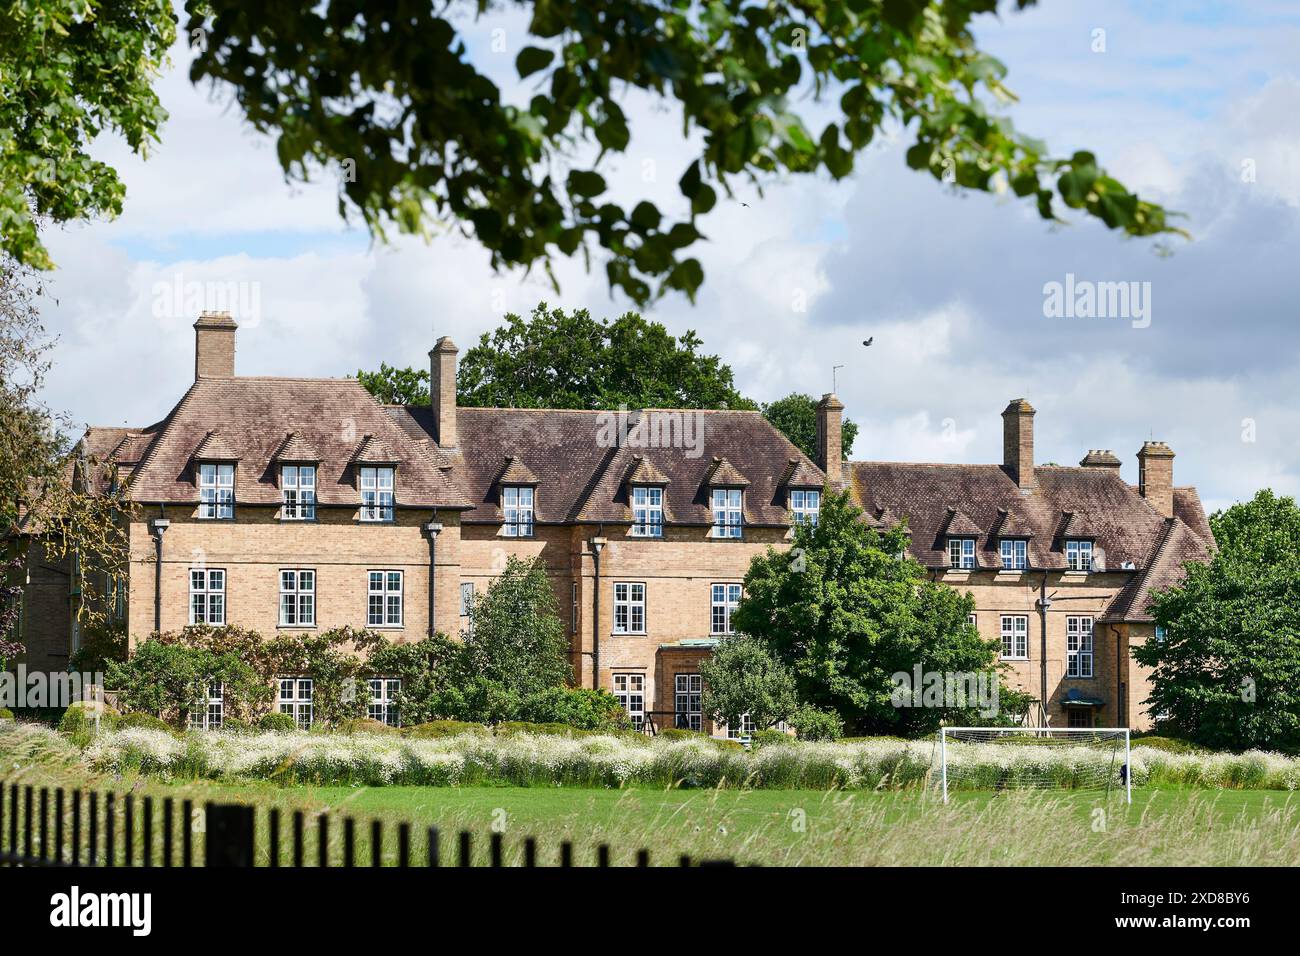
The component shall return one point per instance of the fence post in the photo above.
(229, 837)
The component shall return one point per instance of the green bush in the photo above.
(680, 733)
(6, 713)
(279, 723)
(147, 721)
(509, 728)
(78, 721)
(580, 707)
(444, 728)
(812, 723)
(766, 738)
(365, 726)
(236, 726)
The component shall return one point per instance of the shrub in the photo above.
(364, 726)
(6, 713)
(277, 723)
(811, 723)
(78, 721)
(148, 721)
(170, 680)
(1168, 744)
(680, 733)
(444, 728)
(769, 737)
(580, 707)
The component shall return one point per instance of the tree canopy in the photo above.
(845, 610)
(1226, 669)
(388, 101)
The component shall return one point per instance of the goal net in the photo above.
(1034, 758)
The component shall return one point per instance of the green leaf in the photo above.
(586, 183)
(531, 59)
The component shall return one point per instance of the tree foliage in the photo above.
(170, 680)
(844, 610)
(796, 417)
(387, 100)
(396, 386)
(741, 677)
(1227, 672)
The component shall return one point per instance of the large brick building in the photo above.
(292, 503)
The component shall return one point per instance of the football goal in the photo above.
(1034, 758)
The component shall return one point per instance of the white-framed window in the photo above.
(377, 494)
(383, 700)
(744, 730)
(805, 506)
(210, 714)
(728, 512)
(384, 599)
(298, 489)
(724, 599)
(517, 509)
(295, 700)
(1078, 646)
(974, 619)
(1161, 634)
(647, 512)
(688, 699)
(573, 611)
(467, 606)
(1015, 554)
(961, 553)
(207, 596)
(1079, 717)
(629, 607)
(297, 598)
(630, 691)
(216, 490)
(1015, 637)
(1078, 554)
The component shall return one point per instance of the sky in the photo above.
(1195, 104)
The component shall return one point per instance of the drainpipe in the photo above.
(597, 545)
(433, 529)
(157, 527)
(1043, 603)
(1121, 709)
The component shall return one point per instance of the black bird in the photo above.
(869, 340)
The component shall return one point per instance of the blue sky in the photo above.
(1183, 98)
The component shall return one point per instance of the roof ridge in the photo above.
(163, 427)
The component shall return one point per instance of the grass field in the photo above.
(785, 827)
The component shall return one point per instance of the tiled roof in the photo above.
(723, 474)
(1075, 524)
(1011, 526)
(1177, 545)
(214, 448)
(801, 473)
(296, 448)
(1126, 527)
(644, 472)
(373, 450)
(516, 473)
(960, 525)
(582, 470)
(255, 414)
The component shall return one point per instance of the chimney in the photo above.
(442, 391)
(214, 345)
(1100, 458)
(830, 447)
(1018, 442)
(1156, 476)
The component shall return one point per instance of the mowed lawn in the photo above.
(777, 827)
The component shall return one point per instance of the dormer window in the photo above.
(647, 512)
(377, 494)
(961, 553)
(728, 512)
(517, 507)
(805, 506)
(1015, 554)
(298, 488)
(216, 491)
(1078, 554)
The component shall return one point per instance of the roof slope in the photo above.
(1125, 526)
(1177, 545)
(254, 415)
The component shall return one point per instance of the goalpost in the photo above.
(1035, 758)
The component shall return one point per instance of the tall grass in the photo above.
(599, 761)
